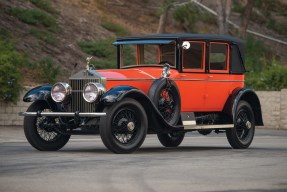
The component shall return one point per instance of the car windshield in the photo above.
(147, 55)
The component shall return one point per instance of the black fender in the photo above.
(155, 120)
(247, 95)
(42, 93)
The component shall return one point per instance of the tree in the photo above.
(223, 11)
(245, 18)
(167, 4)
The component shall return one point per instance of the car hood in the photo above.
(134, 73)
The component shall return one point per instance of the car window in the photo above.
(218, 56)
(193, 58)
(167, 53)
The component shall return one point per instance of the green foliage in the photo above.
(189, 14)
(44, 5)
(264, 73)
(166, 5)
(255, 55)
(237, 6)
(99, 48)
(106, 53)
(103, 49)
(10, 77)
(115, 28)
(186, 15)
(273, 78)
(47, 70)
(276, 26)
(35, 17)
(44, 35)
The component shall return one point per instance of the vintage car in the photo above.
(164, 84)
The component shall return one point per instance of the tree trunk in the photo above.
(245, 18)
(162, 22)
(223, 11)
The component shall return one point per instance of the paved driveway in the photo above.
(200, 164)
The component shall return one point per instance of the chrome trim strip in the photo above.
(185, 123)
(62, 114)
(175, 79)
(196, 127)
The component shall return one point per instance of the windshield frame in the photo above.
(141, 43)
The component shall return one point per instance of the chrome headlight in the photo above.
(60, 91)
(92, 91)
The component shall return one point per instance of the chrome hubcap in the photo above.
(131, 126)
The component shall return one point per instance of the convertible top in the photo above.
(185, 36)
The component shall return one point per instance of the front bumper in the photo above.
(62, 114)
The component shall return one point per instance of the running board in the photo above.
(198, 127)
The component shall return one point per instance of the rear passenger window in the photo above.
(218, 57)
(193, 58)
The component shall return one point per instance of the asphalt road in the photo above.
(200, 164)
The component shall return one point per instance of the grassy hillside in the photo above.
(51, 39)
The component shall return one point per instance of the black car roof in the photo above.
(189, 36)
(184, 36)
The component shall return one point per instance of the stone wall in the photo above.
(9, 112)
(273, 103)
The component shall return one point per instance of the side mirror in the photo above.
(185, 45)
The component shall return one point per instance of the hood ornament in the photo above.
(89, 66)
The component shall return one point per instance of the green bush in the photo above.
(256, 54)
(48, 72)
(115, 28)
(273, 78)
(186, 15)
(99, 48)
(44, 35)
(189, 15)
(34, 17)
(10, 76)
(106, 53)
(45, 5)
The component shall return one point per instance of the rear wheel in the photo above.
(124, 129)
(38, 134)
(241, 136)
(165, 96)
(171, 139)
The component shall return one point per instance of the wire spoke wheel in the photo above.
(47, 134)
(243, 124)
(166, 104)
(39, 131)
(125, 125)
(241, 136)
(124, 129)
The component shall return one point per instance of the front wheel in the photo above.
(37, 133)
(124, 128)
(241, 136)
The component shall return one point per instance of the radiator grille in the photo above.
(78, 103)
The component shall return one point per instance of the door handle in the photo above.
(210, 76)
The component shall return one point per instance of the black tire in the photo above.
(241, 136)
(157, 94)
(165, 96)
(124, 128)
(171, 139)
(38, 137)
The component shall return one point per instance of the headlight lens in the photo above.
(92, 91)
(60, 91)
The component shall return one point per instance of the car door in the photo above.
(192, 80)
(218, 79)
